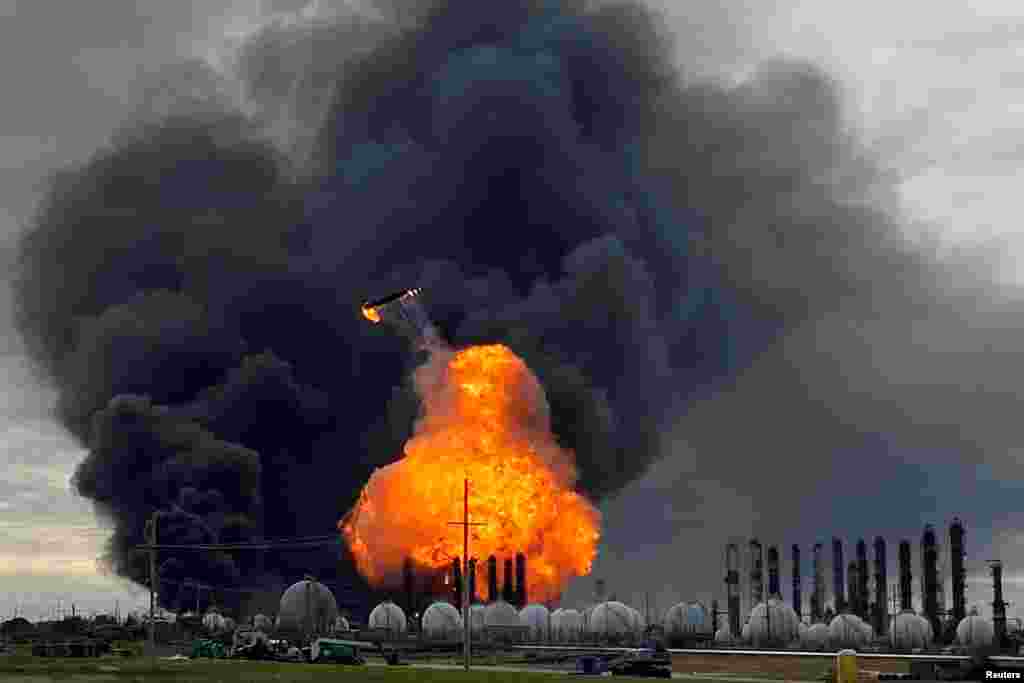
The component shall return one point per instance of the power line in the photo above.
(300, 542)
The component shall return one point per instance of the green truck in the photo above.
(336, 651)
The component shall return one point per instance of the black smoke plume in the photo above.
(541, 169)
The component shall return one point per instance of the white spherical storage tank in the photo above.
(476, 619)
(501, 613)
(536, 619)
(869, 631)
(262, 622)
(639, 622)
(801, 633)
(974, 632)
(566, 625)
(387, 616)
(611, 620)
(724, 636)
(341, 624)
(307, 605)
(846, 631)
(214, 622)
(772, 623)
(745, 633)
(816, 637)
(441, 621)
(908, 632)
(687, 620)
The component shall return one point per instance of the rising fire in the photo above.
(485, 419)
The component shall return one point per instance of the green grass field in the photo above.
(21, 669)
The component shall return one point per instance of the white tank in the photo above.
(817, 637)
(476, 619)
(929, 631)
(639, 623)
(441, 621)
(261, 622)
(869, 631)
(535, 618)
(612, 620)
(687, 620)
(801, 633)
(771, 623)
(214, 622)
(387, 616)
(908, 632)
(975, 632)
(307, 605)
(341, 624)
(724, 636)
(566, 625)
(500, 613)
(846, 631)
(745, 633)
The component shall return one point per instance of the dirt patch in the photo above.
(788, 667)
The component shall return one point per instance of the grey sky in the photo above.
(938, 89)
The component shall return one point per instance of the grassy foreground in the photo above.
(22, 669)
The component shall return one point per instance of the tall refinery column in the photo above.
(930, 579)
(838, 590)
(906, 578)
(852, 602)
(818, 592)
(956, 551)
(774, 585)
(756, 573)
(862, 580)
(881, 611)
(797, 607)
(998, 606)
(732, 587)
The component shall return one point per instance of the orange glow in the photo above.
(371, 314)
(485, 418)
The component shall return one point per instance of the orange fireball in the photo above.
(485, 419)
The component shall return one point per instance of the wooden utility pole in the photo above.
(151, 539)
(465, 524)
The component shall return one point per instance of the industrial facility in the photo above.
(861, 614)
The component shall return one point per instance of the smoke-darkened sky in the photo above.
(764, 269)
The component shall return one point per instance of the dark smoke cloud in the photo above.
(540, 168)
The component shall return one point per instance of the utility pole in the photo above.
(151, 539)
(465, 524)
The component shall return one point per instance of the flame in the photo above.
(485, 419)
(371, 314)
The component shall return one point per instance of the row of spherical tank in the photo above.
(775, 624)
